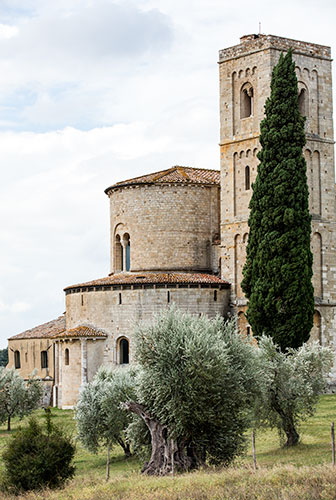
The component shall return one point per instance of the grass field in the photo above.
(303, 472)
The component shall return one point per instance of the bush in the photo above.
(36, 458)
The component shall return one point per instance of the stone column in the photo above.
(55, 402)
(59, 375)
(84, 376)
(124, 255)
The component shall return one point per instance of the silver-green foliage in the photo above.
(197, 378)
(290, 385)
(17, 396)
(100, 419)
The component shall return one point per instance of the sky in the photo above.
(93, 92)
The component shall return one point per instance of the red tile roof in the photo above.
(153, 278)
(82, 331)
(177, 174)
(47, 330)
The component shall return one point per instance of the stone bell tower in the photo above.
(245, 75)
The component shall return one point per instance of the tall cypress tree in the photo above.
(278, 269)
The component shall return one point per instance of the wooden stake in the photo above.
(333, 442)
(254, 451)
(172, 455)
(108, 463)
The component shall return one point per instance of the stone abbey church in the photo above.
(179, 236)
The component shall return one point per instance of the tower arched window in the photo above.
(247, 178)
(17, 361)
(246, 100)
(66, 356)
(303, 99)
(123, 351)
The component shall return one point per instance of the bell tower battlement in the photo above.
(245, 72)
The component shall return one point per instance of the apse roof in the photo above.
(152, 278)
(176, 174)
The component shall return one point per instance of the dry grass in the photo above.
(282, 482)
(301, 473)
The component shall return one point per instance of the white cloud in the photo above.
(7, 31)
(15, 307)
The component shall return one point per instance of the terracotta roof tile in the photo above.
(153, 278)
(46, 330)
(82, 331)
(177, 174)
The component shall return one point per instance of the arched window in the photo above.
(246, 100)
(44, 359)
(247, 178)
(127, 244)
(303, 99)
(17, 362)
(123, 352)
(66, 356)
(315, 334)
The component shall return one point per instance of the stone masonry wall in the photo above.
(171, 227)
(73, 376)
(30, 356)
(102, 309)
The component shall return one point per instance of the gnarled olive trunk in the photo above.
(287, 422)
(125, 446)
(290, 431)
(168, 455)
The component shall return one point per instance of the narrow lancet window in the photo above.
(247, 178)
(66, 356)
(123, 352)
(302, 102)
(17, 361)
(44, 359)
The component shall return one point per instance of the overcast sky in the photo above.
(96, 91)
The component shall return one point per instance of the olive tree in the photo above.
(290, 385)
(194, 390)
(18, 397)
(100, 419)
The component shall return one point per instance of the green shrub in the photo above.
(36, 458)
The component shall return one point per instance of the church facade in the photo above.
(179, 236)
